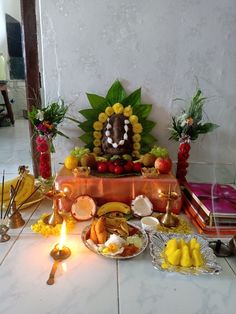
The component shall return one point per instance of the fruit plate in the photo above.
(157, 245)
(94, 248)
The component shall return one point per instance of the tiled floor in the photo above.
(15, 147)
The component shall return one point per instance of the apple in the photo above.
(163, 165)
(128, 167)
(137, 166)
(102, 166)
(118, 169)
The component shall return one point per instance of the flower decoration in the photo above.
(99, 121)
(189, 123)
(46, 120)
(186, 128)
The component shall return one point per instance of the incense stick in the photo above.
(3, 181)
(28, 197)
(12, 199)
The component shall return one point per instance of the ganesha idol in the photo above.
(117, 135)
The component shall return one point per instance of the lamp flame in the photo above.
(63, 236)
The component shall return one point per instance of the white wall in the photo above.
(161, 45)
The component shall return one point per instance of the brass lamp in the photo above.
(168, 219)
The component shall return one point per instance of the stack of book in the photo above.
(211, 207)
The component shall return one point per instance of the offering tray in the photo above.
(122, 189)
(94, 249)
(157, 245)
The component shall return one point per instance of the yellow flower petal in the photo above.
(137, 128)
(109, 111)
(128, 111)
(102, 117)
(136, 153)
(136, 146)
(118, 108)
(136, 138)
(97, 150)
(133, 119)
(97, 134)
(97, 126)
(97, 142)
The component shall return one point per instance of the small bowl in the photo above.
(149, 223)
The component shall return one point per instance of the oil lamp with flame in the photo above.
(168, 219)
(59, 253)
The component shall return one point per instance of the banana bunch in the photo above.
(25, 189)
(113, 207)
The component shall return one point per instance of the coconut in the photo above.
(83, 208)
(141, 206)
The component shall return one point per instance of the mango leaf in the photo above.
(142, 111)
(116, 93)
(97, 102)
(89, 114)
(133, 99)
(148, 125)
(87, 138)
(148, 138)
(86, 126)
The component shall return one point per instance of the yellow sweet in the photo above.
(197, 258)
(180, 253)
(181, 243)
(174, 258)
(136, 146)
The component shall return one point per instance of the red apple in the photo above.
(118, 170)
(129, 166)
(137, 166)
(102, 166)
(164, 165)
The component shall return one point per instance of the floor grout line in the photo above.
(117, 286)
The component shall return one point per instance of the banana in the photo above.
(7, 187)
(25, 189)
(113, 207)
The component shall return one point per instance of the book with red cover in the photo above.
(214, 203)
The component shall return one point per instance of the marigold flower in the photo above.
(118, 108)
(133, 119)
(97, 142)
(136, 138)
(97, 134)
(97, 150)
(136, 146)
(136, 153)
(137, 128)
(102, 117)
(109, 111)
(128, 111)
(97, 126)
